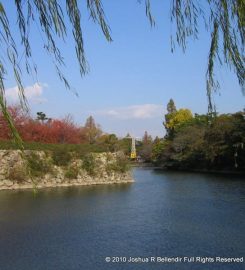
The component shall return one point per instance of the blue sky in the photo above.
(132, 78)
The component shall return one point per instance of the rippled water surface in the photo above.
(163, 214)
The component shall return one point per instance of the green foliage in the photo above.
(179, 117)
(110, 141)
(199, 144)
(171, 108)
(78, 149)
(174, 119)
(125, 146)
(38, 166)
(121, 164)
(72, 172)
(41, 116)
(225, 138)
(89, 164)
(188, 146)
(18, 174)
(157, 150)
(61, 157)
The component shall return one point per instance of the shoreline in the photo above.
(43, 186)
(205, 171)
(38, 170)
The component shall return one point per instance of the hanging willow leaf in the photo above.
(211, 84)
(225, 22)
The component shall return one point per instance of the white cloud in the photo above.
(33, 93)
(142, 111)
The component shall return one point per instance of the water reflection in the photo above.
(161, 214)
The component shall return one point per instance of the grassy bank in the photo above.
(77, 148)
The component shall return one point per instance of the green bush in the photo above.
(61, 156)
(18, 174)
(121, 164)
(72, 172)
(89, 164)
(37, 165)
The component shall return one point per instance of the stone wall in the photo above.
(16, 173)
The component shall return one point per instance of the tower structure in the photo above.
(133, 149)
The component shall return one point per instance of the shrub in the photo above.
(72, 172)
(61, 156)
(18, 174)
(89, 164)
(121, 164)
(37, 165)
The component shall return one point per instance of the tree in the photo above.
(197, 144)
(180, 117)
(224, 138)
(157, 150)
(125, 144)
(224, 21)
(20, 119)
(188, 146)
(175, 118)
(110, 141)
(171, 108)
(147, 139)
(42, 117)
(145, 151)
(31, 130)
(92, 130)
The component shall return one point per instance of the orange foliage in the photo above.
(51, 131)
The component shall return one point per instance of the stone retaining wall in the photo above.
(15, 172)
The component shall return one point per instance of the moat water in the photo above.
(163, 215)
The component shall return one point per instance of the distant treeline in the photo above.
(205, 142)
(44, 133)
(192, 142)
(46, 130)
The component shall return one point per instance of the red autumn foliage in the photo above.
(49, 131)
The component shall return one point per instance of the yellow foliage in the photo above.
(179, 117)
